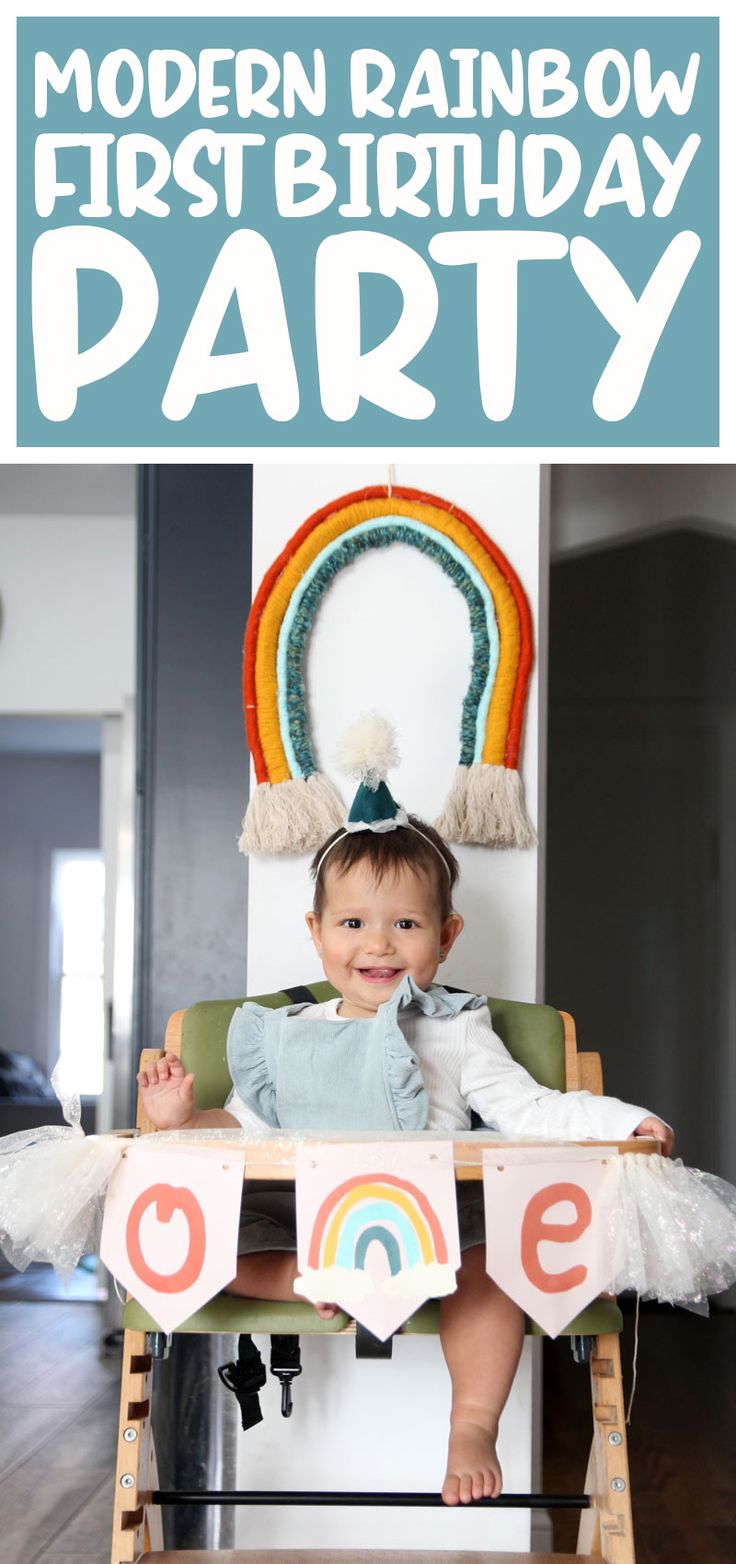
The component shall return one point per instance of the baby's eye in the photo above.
(352, 923)
(405, 923)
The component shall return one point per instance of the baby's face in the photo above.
(372, 933)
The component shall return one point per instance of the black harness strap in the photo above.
(299, 994)
(245, 1378)
(286, 1363)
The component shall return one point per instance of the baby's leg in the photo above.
(482, 1333)
(265, 1270)
(270, 1273)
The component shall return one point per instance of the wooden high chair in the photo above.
(538, 1037)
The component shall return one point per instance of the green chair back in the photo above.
(533, 1035)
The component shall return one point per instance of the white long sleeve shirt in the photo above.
(465, 1066)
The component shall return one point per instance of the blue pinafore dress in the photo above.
(331, 1074)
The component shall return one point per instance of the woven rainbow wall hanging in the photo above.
(294, 808)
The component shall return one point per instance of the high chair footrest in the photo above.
(364, 1500)
(226, 1314)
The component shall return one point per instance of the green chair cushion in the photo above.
(533, 1035)
(600, 1317)
(225, 1314)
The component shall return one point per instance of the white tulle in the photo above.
(671, 1231)
(52, 1187)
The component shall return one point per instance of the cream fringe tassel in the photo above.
(295, 816)
(486, 805)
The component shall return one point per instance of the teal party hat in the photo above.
(368, 751)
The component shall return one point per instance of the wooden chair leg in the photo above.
(153, 1538)
(134, 1519)
(606, 1530)
(589, 1530)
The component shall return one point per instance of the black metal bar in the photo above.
(507, 1501)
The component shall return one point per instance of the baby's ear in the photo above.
(451, 928)
(313, 924)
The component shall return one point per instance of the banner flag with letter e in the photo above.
(546, 1227)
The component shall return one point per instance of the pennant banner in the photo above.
(547, 1222)
(171, 1227)
(377, 1228)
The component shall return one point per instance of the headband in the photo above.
(390, 825)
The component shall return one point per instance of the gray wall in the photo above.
(193, 770)
(46, 802)
(641, 721)
(193, 762)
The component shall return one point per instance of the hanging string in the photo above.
(633, 1366)
(390, 484)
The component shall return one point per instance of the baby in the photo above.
(382, 922)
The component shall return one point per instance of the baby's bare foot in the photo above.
(473, 1471)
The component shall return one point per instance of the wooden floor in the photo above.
(58, 1422)
(682, 1435)
(57, 1442)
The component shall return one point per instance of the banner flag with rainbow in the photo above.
(377, 1229)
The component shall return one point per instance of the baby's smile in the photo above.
(380, 974)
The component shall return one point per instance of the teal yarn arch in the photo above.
(299, 620)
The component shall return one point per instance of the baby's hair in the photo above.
(415, 846)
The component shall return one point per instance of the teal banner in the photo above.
(366, 232)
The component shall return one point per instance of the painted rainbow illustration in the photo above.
(294, 808)
(380, 1207)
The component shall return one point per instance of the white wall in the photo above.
(595, 505)
(392, 635)
(67, 585)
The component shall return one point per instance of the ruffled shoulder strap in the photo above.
(250, 1058)
(403, 1076)
(406, 1092)
(435, 1000)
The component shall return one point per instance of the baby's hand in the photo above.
(167, 1093)
(654, 1129)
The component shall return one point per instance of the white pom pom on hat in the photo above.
(368, 750)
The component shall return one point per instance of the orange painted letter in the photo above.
(167, 1200)
(534, 1230)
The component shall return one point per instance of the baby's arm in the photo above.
(505, 1094)
(167, 1095)
(655, 1129)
